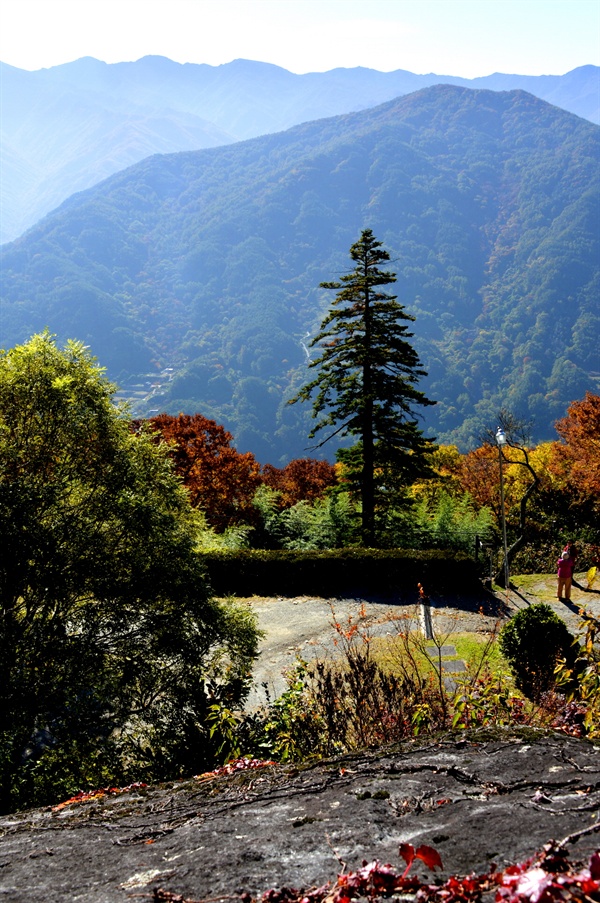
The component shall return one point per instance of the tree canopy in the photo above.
(302, 480)
(112, 649)
(219, 479)
(366, 382)
(578, 456)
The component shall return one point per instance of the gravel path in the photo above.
(302, 627)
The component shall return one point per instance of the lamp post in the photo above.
(501, 442)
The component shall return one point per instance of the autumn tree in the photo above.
(365, 386)
(111, 645)
(480, 477)
(220, 480)
(302, 480)
(445, 462)
(577, 458)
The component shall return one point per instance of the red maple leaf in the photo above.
(426, 854)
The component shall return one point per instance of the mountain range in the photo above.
(195, 276)
(65, 128)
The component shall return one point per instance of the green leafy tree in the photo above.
(112, 649)
(366, 382)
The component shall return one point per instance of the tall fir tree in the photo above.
(366, 382)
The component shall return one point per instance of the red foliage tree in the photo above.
(303, 479)
(479, 475)
(220, 480)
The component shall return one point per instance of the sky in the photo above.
(449, 37)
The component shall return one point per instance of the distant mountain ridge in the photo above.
(68, 127)
(203, 268)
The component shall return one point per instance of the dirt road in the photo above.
(303, 627)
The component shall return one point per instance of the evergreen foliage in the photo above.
(532, 642)
(366, 381)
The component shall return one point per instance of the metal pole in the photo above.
(500, 441)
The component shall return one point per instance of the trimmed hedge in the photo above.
(337, 572)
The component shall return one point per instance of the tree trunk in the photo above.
(368, 476)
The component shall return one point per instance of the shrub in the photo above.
(346, 703)
(582, 680)
(532, 642)
(377, 690)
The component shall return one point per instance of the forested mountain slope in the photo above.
(209, 262)
(67, 127)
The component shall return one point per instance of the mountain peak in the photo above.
(206, 265)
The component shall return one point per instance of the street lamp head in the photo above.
(500, 437)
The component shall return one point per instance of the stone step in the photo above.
(454, 667)
(443, 651)
(439, 660)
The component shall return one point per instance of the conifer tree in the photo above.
(366, 382)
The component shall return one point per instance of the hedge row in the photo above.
(338, 572)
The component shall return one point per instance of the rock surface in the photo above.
(476, 801)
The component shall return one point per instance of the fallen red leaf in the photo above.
(407, 851)
(429, 856)
(86, 796)
(426, 854)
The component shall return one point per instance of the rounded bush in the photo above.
(532, 642)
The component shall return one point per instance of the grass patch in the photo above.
(542, 586)
(476, 650)
(471, 647)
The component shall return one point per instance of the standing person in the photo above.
(566, 566)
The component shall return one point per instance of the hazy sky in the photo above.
(451, 37)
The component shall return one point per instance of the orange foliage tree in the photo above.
(479, 472)
(220, 480)
(303, 479)
(577, 458)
